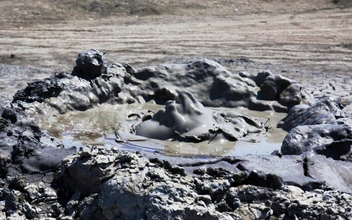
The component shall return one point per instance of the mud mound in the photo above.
(42, 177)
(93, 82)
(187, 89)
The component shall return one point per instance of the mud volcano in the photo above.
(173, 141)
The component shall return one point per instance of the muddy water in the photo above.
(97, 127)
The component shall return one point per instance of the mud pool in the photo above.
(197, 108)
(97, 127)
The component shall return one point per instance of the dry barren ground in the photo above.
(316, 35)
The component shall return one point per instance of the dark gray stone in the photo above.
(90, 64)
(324, 111)
(332, 140)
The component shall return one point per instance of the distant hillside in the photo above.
(26, 12)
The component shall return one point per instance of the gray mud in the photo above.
(192, 140)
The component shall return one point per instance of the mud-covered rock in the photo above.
(27, 156)
(100, 168)
(324, 111)
(135, 187)
(334, 173)
(321, 128)
(130, 187)
(286, 91)
(93, 82)
(90, 64)
(215, 86)
(41, 90)
(4, 163)
(23, 143)
(67, 92)
(333, 140)
(309, 171)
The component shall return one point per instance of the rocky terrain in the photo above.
(200, 80)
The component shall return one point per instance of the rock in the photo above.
(288, 168)
(332, 140)
(321, 128)
(4, 163)
(131, 188)
(40, 90)
(336, 174)
(93, 82)
(267, 180)
(21, 141)
(310, 172)
(14, 201)
(88, 208)
(40, 192)
(90, 64)
(201, 77)
(10, 115)
(66, 92)
(88, 177)
(294, 94)
(276, 87)
(324, 111)
(267, 85)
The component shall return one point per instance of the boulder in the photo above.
(324, 111)
(332, 140)
(90, 64)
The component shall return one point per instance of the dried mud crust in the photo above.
(131, 186)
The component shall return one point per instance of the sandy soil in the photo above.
(314, 35)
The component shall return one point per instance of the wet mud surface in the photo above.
(190, 114)
(97, 142)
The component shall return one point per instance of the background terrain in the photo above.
(50, 33)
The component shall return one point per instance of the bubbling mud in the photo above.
(108, 129)
(191, 92)
(190, 121)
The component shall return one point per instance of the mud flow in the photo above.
(97, 127)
